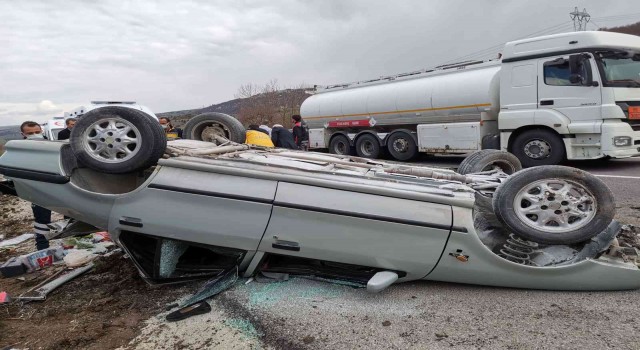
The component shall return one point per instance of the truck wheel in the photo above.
(368, 146)
(487, 159)
(554, 204)
(402, 146)
(340, 145)
(117, 140)
(205, 126)
(538, 147)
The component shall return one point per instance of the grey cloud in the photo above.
(185, 54)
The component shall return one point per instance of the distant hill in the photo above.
(7, 133)
(633, 29)
(264, 108)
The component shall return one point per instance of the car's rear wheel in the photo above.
(206, 126)
(117, 140)
(554, 205)
(487, 159)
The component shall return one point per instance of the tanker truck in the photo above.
(551, 98)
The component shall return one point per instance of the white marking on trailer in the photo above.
(619, 176)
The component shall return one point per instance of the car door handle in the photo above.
(286, 245)
(546, 102)
(129, 221)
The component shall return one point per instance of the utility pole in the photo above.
(580, 19)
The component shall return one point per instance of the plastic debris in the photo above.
(42, 258)
(77, 257)
(41, 291)
(16, 240)
(188, 311)
(4, 297)
(12, 267)
(214, 286)
(102, 236)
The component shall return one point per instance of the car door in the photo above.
(357, 228)
(575, 100)
(200, 207)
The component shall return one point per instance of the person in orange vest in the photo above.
(257, 137)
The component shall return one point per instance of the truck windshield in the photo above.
(621, 68)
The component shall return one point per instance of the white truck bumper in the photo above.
(616, 130)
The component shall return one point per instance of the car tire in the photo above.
(486, 159)
(537, 147)
(203, 126)
(368, 146)
(554, 205)
(117, 140)
(340, 145)
(402, 146)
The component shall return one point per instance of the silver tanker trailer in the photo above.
(564, 96)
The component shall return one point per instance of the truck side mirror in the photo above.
(576, 65)
(575, 79)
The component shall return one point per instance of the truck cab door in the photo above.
(579, 100)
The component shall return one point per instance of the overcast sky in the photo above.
(56, 55)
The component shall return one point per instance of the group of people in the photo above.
(279, 136)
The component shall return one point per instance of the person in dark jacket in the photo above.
(282, 137)
(300, 132)
(66, 133)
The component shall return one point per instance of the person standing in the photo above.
(42, 216)
(169, 130)
(282, 137)
(300, 132)
(66, 133)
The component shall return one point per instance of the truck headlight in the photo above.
(622, 141)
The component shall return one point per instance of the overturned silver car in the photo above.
(195, 208)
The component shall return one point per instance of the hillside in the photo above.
(633, 29)
(263, 108)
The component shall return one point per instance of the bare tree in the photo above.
(269, 104)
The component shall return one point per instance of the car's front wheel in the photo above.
(117, 140)
(554, 204)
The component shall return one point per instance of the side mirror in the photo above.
(575, 61)
(576, 65)
(576, 79)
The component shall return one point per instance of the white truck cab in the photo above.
(564, 96)
(583, 87)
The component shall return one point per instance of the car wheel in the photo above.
(554, 204)
(487, 159)
(538, 147)
(368, 146)
(206, 126)
(117, 140)
(402, 146)
(340, 145)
